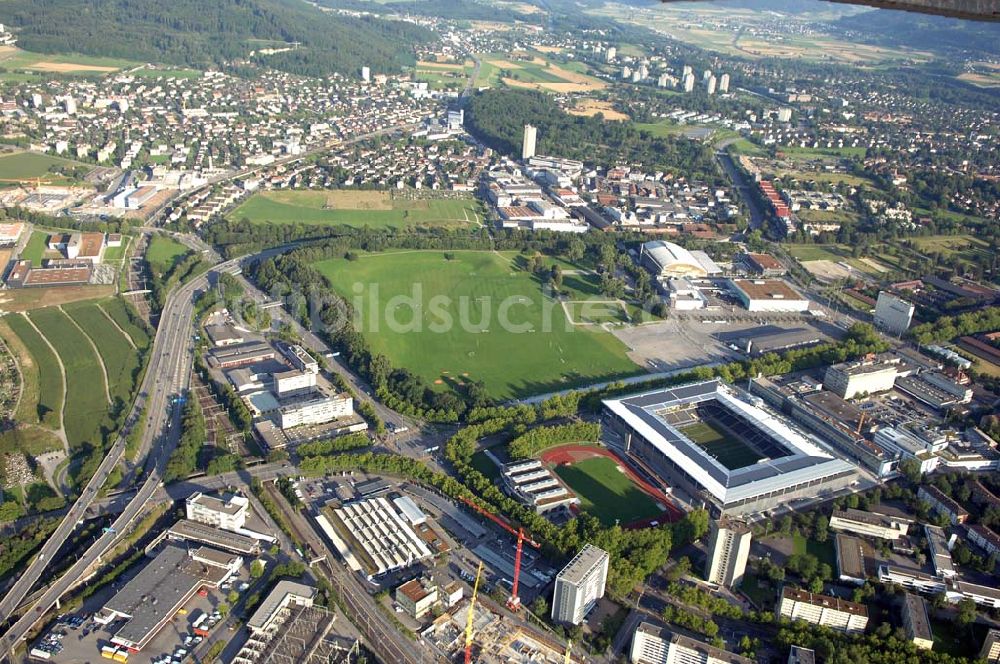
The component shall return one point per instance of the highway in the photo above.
(166, 377)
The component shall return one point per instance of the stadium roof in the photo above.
(805, 463)
(673, 259)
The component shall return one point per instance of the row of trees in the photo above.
(535, 440)
(949, 327)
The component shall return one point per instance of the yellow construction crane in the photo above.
(472, 615)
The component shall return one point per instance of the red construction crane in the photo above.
(514, 602)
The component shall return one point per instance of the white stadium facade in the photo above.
(647, 429)
(666, 259)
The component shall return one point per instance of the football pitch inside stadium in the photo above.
(607, 492)
(726, 449)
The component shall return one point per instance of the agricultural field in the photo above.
(115, 308)
(441, 335)
(26, 299)
(13, 58)
(27, 166)
(538, 73)
(121, 362)
(43, 400)
(606, 492)
(86, 401)
(376, 209)
(590, 107)
(966, 246)
(730, 452)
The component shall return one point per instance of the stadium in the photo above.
(721, 446)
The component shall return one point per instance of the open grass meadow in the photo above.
(121, 361)
(48, 404)
(34, 249)
(451, 332)
(14, 59)
(728, 451)
(30, 165)
(86, 402)
(164, 252)
(33, 441)
(824, 551)
(376, 209)
(607, 492)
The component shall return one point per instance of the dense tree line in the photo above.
(350, 442)
(535, 440)
(949, 327)
(497, 118)
(208, 34)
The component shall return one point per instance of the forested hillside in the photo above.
(497, 118)
(202, 33)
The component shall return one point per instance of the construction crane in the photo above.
(472, 615)
(513, 602)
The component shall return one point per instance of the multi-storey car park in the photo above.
(750, 458)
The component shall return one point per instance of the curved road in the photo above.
(167, 376)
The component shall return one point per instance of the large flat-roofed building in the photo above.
(85, 246)
(763, 265)
(800, 655)
(223, 335)
(852, 556)
(195, 531)
(10, 232)
(268, 615)
(656, 644)
(850, 379)
(729, 542)
(317, 409)
(871, 524)
(152, 597)
(991, 647)
(666, 259)
(911, 579)
(292, 382)
(916, 622)
(23, 275)
(229, 512)
(987, 596)
(934, 389)
(417, 597)
(944, 504)
(535, 485)
(753, 460)
(768, 295)
(823, 610)
(381, 537)
(579, 585)
(238, 355)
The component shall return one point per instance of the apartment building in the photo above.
(729, 540)
(579, 585)
(823, 610)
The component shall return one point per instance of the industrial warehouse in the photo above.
(767, 464)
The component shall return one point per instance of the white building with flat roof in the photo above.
(893, 314)
(228, 512)
(579, 585)
(850, 379)
(653, 644)
(726, 563)
(318, 409)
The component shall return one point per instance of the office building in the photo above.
(832, 612)
(417, 597)
(937, 545)
(870, 524)
(579, 585)
(849, 379)
(299, 357)
(528, 142)
(916, 622)
(724, 83)
(656, 644)
(228, 512)
(944, 504)
(991, 647)
(295, 381)
(729, 540)
(893, 314)
(318, 409)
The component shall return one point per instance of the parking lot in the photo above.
(76, 638)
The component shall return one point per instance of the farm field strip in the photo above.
(49, 405)
(116, 309)
(120, 360)
(86, 404)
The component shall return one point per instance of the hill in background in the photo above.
(200, 33)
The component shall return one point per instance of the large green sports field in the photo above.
(456, 334)
(728, 451)
(607, 492)
(29, 165)
(377, 209)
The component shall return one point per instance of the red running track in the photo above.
(570, 454)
